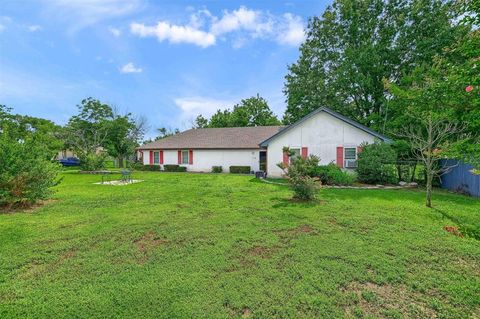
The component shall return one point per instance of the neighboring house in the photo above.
(63, 154)
(68, 153)
(325, 133)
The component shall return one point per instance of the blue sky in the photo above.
(165, 60)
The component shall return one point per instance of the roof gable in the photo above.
(332, 113)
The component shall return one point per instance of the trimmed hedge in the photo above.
(217, 169)
(174, 168)
(141, 167)
(240, 169)
(331, 174)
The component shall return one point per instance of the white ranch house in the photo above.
(325, 133)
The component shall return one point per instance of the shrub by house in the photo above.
(240, 169)
(298, 174)
(376, 164)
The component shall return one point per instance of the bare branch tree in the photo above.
(429, 138)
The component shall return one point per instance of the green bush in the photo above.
(240, 169)
(92, 162)
(217, 169)
(304, 187)
(140, 167)
(151, 168)
(331, 174)
(376, 164)
(174, 168)
(26, 176)
(136, 166)
(298, 173)
(170, 167)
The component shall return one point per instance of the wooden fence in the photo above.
(460, 179)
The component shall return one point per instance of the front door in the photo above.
(263, 160)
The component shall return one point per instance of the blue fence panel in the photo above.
(460, 179)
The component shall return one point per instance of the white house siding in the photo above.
(203, 160)
(321, 134)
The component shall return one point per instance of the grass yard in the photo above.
(226, 246)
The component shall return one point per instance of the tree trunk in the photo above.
(413, 172)
(120, 161)
(429, 189)
(399, 172)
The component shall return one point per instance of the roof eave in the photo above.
(198, 148)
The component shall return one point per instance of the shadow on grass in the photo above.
(25, 207)
(468, 230)
(416, 196)
(259, 181)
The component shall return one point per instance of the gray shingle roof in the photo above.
(216, 138)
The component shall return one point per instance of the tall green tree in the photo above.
(123, 136)
(26, 170)
(221, 119)
(463, 76)
(200, 122)
(165, 132)
(452, 83)
(355, 45)
(471, 8)
(87, 131)
(443, 121)
(253, 111)
(43, 132)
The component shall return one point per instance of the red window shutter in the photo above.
(179, 157)
(190, 155)
(151, 158)
(359, 149)
(340, 156)
(285, 158)
(161, 157)
(304, 152)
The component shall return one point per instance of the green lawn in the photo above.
(226, 246)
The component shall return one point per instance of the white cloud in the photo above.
(165, 31)
(130, 68)
(243, 19)
(200, 18)
(116, 32)
(34, 28)
(192, 106)
(239, 26)
(293, 32)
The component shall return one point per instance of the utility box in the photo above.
(260, 174)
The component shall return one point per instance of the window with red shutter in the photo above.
(340, 156)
